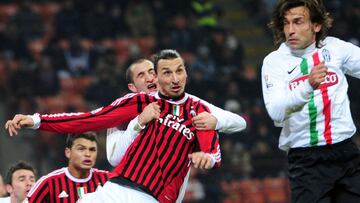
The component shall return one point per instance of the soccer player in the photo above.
(154, 166)
(19, 179)
(70, 183)
(305, 93)
(141, 77)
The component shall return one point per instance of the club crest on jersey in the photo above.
(330, 79)
(326, 55)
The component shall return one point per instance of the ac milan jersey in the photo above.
(60, 186)
(158, 159)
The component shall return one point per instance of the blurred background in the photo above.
(70, 56)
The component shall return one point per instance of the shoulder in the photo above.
(42, 182)
(99, 171)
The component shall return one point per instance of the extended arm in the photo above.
(120, 111)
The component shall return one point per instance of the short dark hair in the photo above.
(164, 54)
(88, 135)
(15, 167)
(317, 12)
(129, 73)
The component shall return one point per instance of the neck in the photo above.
(80, 174)
(304, 52)
(177, 98)
(13, 199)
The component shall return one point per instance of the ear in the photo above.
(8, 188)
(67, 152)
(317, 27)
(132, 87)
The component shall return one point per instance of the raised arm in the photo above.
(118, 112)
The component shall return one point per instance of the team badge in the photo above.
(326, 55)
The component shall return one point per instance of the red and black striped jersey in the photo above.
(60, 186)
(158, 159)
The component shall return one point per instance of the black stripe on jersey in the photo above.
(139, 104)
(61, 189)
(152, 180)
(166, 148)
(53, 185)
(39, 193)
(147, 158)
(213, 143)
(76, 195)
(155, 158)
(92, 115)
(67, 185)
(142, 139)
(178, 159)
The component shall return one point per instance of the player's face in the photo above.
(22, 181)
(82, 155)
(171, 77)
(144, 78)
(299, 30)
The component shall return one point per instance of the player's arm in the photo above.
(118, 141)
(219, 119)
(120, 111)
(209, 154)
(279, 100)
(40, 192)
(351, 64)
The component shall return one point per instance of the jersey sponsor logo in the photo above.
(330, 79)
(326, 55)
(174, 122)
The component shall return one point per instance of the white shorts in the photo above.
(115, 193)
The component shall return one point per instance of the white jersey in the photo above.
(5, 199)
(310, 117)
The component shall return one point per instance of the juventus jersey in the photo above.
(310, 117)
(60, 186)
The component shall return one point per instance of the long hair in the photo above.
(317, 11)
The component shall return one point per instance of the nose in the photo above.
(175, 78)
(149, 77)
(291, 28)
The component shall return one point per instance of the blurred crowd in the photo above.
(70, 56)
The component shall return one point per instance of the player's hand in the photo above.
(317, 75)
(150, 112)
(201, 160)
(19, 121)
(204, 121)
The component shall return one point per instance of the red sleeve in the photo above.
(209, 140)
(118, 112)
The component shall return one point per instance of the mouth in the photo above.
(87, 162)
(176, 88)
(152, 87)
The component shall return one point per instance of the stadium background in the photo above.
(61, 56)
